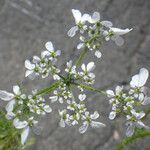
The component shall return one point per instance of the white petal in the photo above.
(112, 115)
(118, 40)
(24, 135)
(107, 24)
(53, 98)
(95, 115)
(49, 46)
(98, 54)
(95, 124)
(135, 81)
(60, 100)
(32, 75)
(77, 15)
(146, 101)
(44, 54)
(6, 96)
(28, 72)
(28, 65)
(80, 45)
(83, 67)
(85, 17)
(143, 76)
(10, 106)
(10, 115)
(47, 108)
(140, 115)
(16, 90)
(72, 31)
(36, 59)
(95, 17)
(56, 77)
(140, 124)
(141, 96)
(19, 124)
(118, 89)
(130, 130)
(118, 31)
(92, 75)
(90, 66)
(62, 123)
(110, 93)
(140, 79)
(82, 97)
(58, 52)
(83, 128)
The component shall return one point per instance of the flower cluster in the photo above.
(128, 101)
(45, 64)
(94, 32)
(73, 77)
(76, 113)
(23, 109)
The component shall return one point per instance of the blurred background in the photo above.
(25, 26)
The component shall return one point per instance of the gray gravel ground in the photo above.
(25, 25)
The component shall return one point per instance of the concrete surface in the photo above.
(25, 25)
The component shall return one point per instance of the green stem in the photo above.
(129, 140)
(91, 88)
(49, 89)
(81, 56)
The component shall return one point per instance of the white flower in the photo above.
(115, 35)
(137, 123)
(50, 50)
(80, 45)
(87, 75)
(132, 125)
(31, 70)
(89, 121)
(90, 67)
(78, 16)
(98, 54)
(111, 93)
(140, 79)
(112, 115)
(47, 108)
(70, 68)
(79, 20)
(117, 32)
(82, 97)
(6, 96)
(64, 118)
(56, 97)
